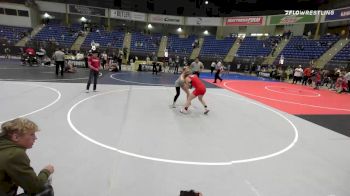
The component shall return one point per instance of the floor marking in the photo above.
(296, 90)
(133, 82)
(40, 109)
(296, 135)
(45, 80)
(283, 101)
(252, 188)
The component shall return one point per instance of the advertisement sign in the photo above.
(166, 19)
(245, 21)
(340, 14)
(128, 15)
(204, 21)
(88, 11)
(293, 19)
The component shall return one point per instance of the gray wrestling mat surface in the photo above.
(128, 140)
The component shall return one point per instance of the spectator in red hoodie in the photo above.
(94, 65)
(307, 75)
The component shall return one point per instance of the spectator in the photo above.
(46, 61)
(318, 79)
(307, 75)
(7, 52)
(212, 67)
(219, 69)
(16, 137)
(309, 34)
(347, 77)
(70, 67)
(341, 84)
(104, 58)
(79, 56)
(94, 65)
(196, 67)
(154, 63)
(120, 59)
(298, 73)
(58, 56)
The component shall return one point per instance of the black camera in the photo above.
(189, 193)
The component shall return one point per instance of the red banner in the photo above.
(244, 21)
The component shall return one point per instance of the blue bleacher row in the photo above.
(13, 34)
(299, 47)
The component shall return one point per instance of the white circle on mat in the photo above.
(40, 109)
(283, 101)
(270, 88)
(262, 157)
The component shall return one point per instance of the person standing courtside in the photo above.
(177, 64)
(154, 62)
(219, 69)
(120, 59)
(196, 67)
(298, 74)
(94, 65)
(212, 67)
(58, 56)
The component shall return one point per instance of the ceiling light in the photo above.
(83, 19)
(46, 15)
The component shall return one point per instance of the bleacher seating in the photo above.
(301, 50)
(218, 49)
(144, 44)
(13, 34)
(341, 59)
(180, 46)
(113, 39)
(65, 36)
(252, 47)
(343, 54)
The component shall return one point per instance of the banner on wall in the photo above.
(166, 19)
(293, 19)
(203, 21)
(51, 7)
(128, 15)
(88, 11)
(340, 14)
(245, 21)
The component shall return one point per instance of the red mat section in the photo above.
(293, 99)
